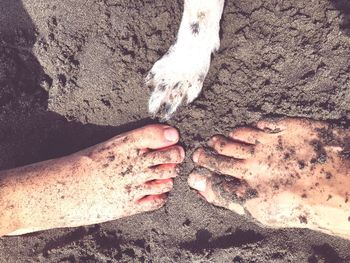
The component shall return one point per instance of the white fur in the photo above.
(180, 73)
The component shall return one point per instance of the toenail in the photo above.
(200, 184)
(201, 196)
(182, 153)
(212, 141)
(196, 155)
(171, 134)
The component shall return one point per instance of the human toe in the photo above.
(230, 148)
(247, 135)
(154, 136)
(218, 190)
(151, 202)
(272, 125)
(219, 163)
(155, 187)
(163, 171)
(170, 155)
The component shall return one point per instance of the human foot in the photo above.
(125, 175)
(284, 173)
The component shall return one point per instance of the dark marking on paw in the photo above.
(201, 78)
(164, 109)
(349, 218)
(201, 15)
(162, 87)
(329, 197)
(150, 76)
(195, 28)
(167, 108)
(176, 86)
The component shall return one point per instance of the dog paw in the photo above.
(176, 78)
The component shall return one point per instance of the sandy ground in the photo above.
(71, 75)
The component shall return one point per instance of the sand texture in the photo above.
(71, 75)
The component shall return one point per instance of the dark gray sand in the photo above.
(71, 75)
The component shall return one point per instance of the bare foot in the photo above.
(284, 173)
(126, 175)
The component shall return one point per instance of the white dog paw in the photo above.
(177, 77)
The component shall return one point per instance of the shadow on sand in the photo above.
(28, 132)
(344, 7)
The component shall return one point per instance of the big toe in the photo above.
(221, 190)
(154, 136)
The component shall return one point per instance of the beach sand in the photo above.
(71, 75)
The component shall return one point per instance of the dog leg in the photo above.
(180, 73)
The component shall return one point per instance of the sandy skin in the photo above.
(126, 175)
(282, 173)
